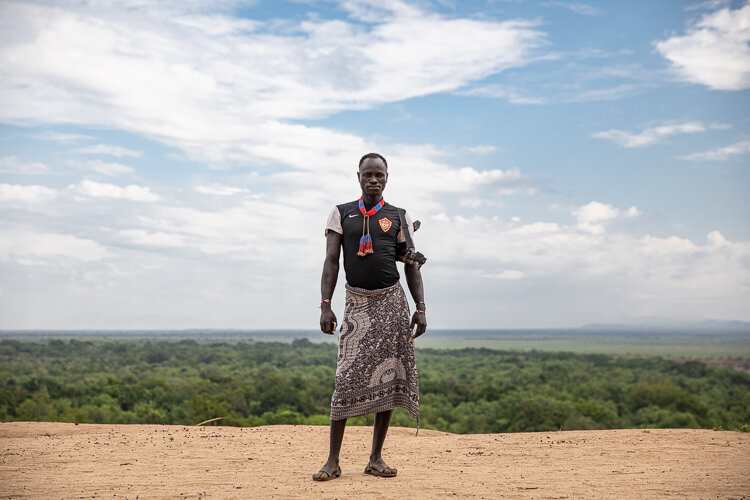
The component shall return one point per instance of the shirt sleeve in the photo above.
(334, 222)
(409, 227)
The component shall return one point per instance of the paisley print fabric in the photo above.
(375, 370)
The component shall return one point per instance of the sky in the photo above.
(172, 164)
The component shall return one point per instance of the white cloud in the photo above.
(671, 245)
(648, 136)
(535, 228)
(595, 216)
(542, 270)
(63, 138)
(107, 149)
(224, 96)
(715, 50)
(482, 149)
(111, 169)
(632, 212)
(131, 192)
(26, 246)
(498, 91)
(708, 4)
(12, 165)
(508, 274)
(158, 238)
(219, 190)
(722, 153)
(715, 238)
(577, 7)
(603, 94)
(559, 269)
(576, 88)
(26, 194)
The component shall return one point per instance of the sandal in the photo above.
(386, 472)
(319, 476)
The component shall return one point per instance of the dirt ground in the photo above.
(58, 460)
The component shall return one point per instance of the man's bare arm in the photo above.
(416, 288)
(328, 280)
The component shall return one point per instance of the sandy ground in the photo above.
(57, 460)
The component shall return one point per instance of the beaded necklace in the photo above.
(365, 242)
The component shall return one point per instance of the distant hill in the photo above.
(660, 324)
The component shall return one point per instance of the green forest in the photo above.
(258, 383)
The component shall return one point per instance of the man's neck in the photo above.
(371, 200)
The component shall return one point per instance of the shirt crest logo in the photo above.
(385, 224)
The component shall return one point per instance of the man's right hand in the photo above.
(327, 319)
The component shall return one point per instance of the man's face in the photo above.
(372, 177)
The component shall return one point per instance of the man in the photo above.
(375, 369)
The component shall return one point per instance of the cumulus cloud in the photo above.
(131, 192)
(499, 91)
(12, 165)
(27, 246)
(61, 137)
(108, 168)
(219, 190)
(146, 238)
(561, 268)
(595, 216)
(577, 7)
(26, 194)
(721, 154)
(649, 136)
(714, 51)
(226, 96)
(238, 257)
(110, 150)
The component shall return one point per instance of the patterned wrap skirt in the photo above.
(376, 370)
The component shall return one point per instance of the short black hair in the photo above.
(372, 155)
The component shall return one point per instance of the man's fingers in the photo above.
(328, 324)
(421, 328)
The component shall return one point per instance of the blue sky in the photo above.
(172, 164)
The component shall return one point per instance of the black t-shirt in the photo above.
(378, 269)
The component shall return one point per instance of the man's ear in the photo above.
(358, 175)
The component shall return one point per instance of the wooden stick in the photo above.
(210, 420)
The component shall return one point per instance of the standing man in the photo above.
(375, 371)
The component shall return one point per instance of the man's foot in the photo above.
(327, 472)
(380, 469)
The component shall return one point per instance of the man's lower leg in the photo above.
(337, 437)
(380, 430)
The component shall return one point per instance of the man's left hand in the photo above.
(418, 319)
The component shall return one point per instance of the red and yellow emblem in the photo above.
(385, 224)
